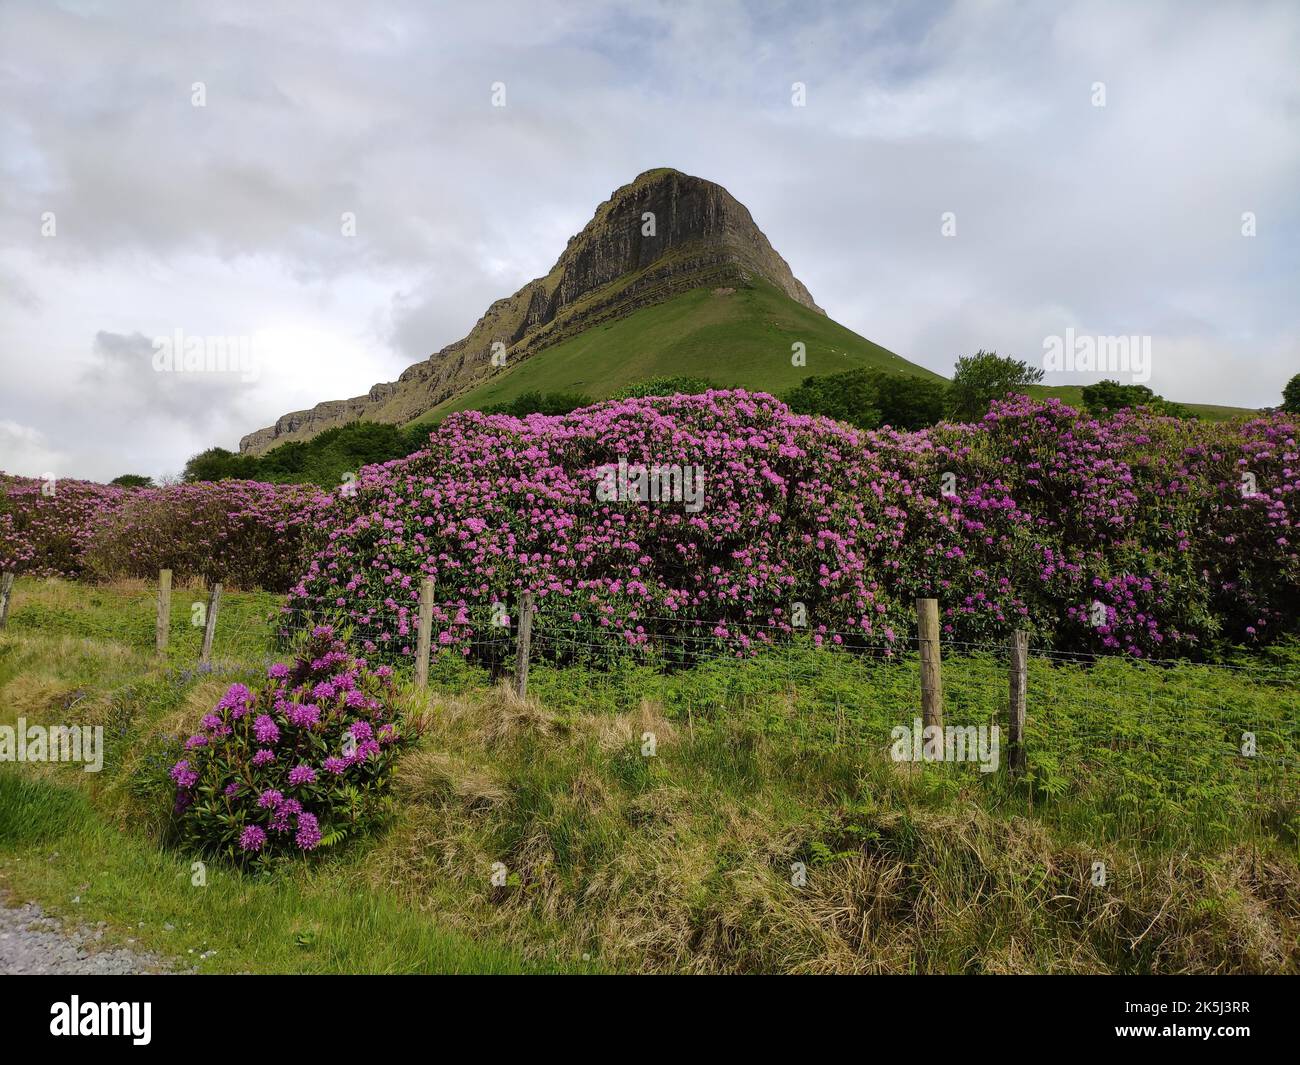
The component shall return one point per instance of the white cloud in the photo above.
(225, 219)
(25, 450)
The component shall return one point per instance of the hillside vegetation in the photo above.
(699, 237)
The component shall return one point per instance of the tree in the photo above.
(664, 385)
(1291, 396)
(910, 402)
(850, 397)
(1112, 396)
(132, 480)
(527, 403)
(216, 463)
(871, 398)
(323, 460)
(981, 378)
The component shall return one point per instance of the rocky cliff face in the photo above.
(664, 233)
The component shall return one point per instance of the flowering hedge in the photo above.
(303, 763)
(43, 524)
(1180, 533)
(242, 532)
(1036, 517)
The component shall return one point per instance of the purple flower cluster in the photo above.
(308, 836)
(238, 700)
(267, 769)
(183, 775)
(252, 838)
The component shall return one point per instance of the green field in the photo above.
(741, 339)
(1073, 395)
(684, 860)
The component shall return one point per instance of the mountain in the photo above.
(704, 294)
(736, 336)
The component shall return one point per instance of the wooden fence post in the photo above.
(163, 624)
(927, 634)
(1019, 680)
(210, 627)
(6, 592)
(523, 643)
(426, 634)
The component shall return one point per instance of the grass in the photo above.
(54, 847)
(686, 860)
(683, 861)
(83, 654)
(739, 338)
(125, 614)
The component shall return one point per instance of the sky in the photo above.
(956, 176)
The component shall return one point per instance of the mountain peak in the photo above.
(664, 213)
(662, 234)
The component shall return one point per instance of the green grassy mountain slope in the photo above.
(735, 336)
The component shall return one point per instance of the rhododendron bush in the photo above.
(1137, 534)
(242, 532)
(43, 523)
(304, 762)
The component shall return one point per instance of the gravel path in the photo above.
(33, 944)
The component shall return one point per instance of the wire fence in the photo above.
(1152, 744)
